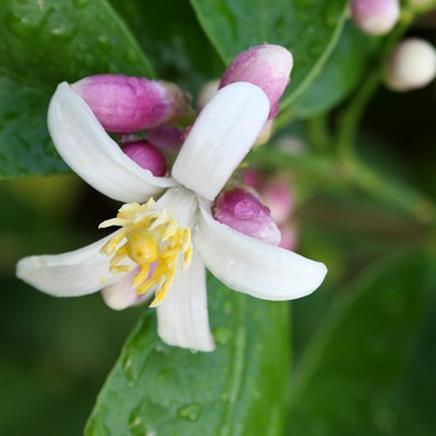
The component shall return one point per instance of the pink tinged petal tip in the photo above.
(278, 197)
(241, 210)
(376, 17)
(121, 295)
(125, 104)
(267, 66)
(147, 157)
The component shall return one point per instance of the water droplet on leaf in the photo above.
(189, 413)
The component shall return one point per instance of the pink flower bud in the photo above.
(166, 138)
(376, 17)
(146, 156)
(411, 65)
(267, 66)
(126, 104)
(289, 237)
(278, 197)
(241, 210)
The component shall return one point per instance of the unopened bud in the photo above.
(242, 210)
(376, 17)
(166, 138)
(147, 157)
(278, 197)
(125, 104)
(206, 93)
(289, 237)
(411, 65)
(267, 66)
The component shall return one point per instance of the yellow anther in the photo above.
(153, 240)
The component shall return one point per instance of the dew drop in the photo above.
(127, 365)
(222, 335)
(190, 412)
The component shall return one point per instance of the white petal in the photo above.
(252, 266)
(220, 138)
(179, 202)
(121, 294)
(182, 317)
(93, 155)
(71, 274)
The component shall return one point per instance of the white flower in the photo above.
(220, 138)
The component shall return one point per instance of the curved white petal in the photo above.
(252, 266)
(93, 155)
(71, 274)
(179, 202)
(121, 294)
(182, 317)
(220, 138)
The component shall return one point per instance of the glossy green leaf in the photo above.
(340, 75)
(25, 146)
(309, 29)
(42, 44)
(370, 369)
(239, 389)
(171, 35)
(55, 40)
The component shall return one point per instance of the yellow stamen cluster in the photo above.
(152, 239)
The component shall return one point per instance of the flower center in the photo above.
(152, 239)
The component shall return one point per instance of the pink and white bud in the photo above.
(289, 237)
(242, 210)
(411, 65)
(376, 17)
(166, 138)
(206, 93)
(125, 104)
(278, 197)
(147, 157)
(267, 66)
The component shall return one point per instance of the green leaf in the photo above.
(170, 33)
(309, 29)
(239, 389)
(42, 44)
(370, 369)
(340, 75)
(25, 146)
(48, 42)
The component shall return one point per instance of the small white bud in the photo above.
(411, 65)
